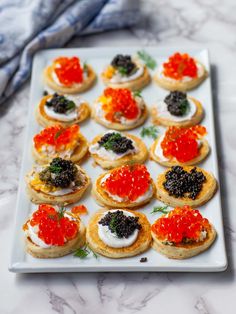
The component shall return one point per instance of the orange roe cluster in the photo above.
(54, 228)
(68, 70)
(58, 137)
(180, 65)
(79, 210)
(128, 181)
(181, 224)
(181, 143)
(119, 103)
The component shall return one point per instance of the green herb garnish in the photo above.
(137, 93)
(61, 212)
(84, 252)
(70, 105)
(113, 224)
(160, 209)
(55, 169)
(122, 71)
(85, 67)
(58, 133)
(184, 106)
(150, 131)
(109, 144)
(148, 60)
(81, 253)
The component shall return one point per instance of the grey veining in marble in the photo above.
(208, 23)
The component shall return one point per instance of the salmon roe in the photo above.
(58, 137)
(181, 143)
(119, 103)
(68, 70)
(53, 228)
(128, 181)
(181, 224)
(79, 210)
(180, 65)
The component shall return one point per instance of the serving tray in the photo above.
(214, 259)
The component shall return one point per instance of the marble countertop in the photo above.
(192, 23)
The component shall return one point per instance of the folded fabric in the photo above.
(28, 26)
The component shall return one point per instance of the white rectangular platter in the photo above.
(214, 259)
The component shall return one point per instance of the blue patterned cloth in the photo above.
(27, 26)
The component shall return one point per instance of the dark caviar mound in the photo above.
(181, 183)
(124, 64)
(60, 173)
(60, 104)
(123, 226)
(177, 103)
(116, 142)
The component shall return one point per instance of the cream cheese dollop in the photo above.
(119, 78)
(65, 117)
(111, 239)
(109, 154)
(163, 112)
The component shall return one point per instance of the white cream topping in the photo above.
(159, 151)
(68, 116)
(119, 78)
(100, 113)
(32, 233)
(50, 151)
(200, 72)
(111, 239)
(163, 112)
(109, 154)
(119, 199)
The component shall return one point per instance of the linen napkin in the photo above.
(27, 26)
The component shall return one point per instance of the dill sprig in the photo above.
(150, 131)
(147, 59)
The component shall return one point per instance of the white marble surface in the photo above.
(208, 23)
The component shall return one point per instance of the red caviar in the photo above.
(119, 102)
(79, 210)
(180, 65)
(54, 229)
(57, 136)
(68, 70)
(128, 181)
(181, 143)
(180, 224)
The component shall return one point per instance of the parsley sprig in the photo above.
(160, 209)
(151, 131)
(84, 252)
(147, 59)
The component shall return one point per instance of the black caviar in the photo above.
(60, 104)
(124, 64)
(116, 142)
(177, 103)
(181, 183)
(123, 226)
(60, 173)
